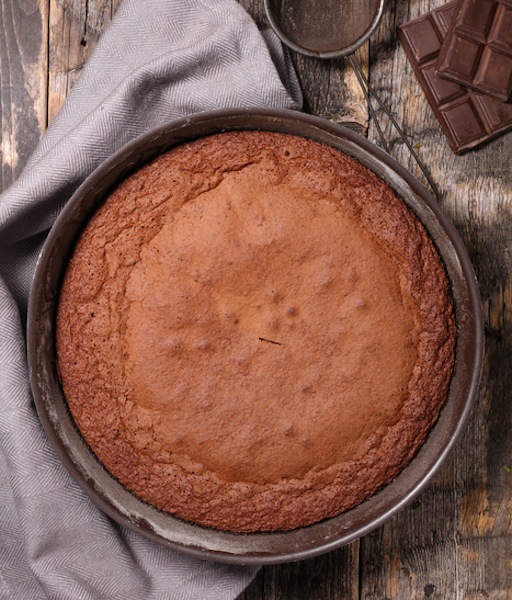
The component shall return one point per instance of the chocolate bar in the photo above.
(467, 117)
(477, 51)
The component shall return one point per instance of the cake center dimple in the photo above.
(252, 325)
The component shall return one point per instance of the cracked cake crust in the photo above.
(254, 333)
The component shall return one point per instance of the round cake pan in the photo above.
(258, 548)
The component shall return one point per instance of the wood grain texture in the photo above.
(23, 92)
(74, 29)
(333, 576)
(455, 541)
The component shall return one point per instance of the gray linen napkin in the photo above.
(158, 60)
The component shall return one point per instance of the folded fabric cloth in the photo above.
(158, 60)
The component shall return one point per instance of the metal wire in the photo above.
(370, 92)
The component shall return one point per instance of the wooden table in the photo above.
(455, 541)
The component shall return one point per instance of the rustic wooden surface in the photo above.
(455, 541)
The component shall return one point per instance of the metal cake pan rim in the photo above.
(228, 547)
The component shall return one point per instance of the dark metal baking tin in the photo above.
(258, 548)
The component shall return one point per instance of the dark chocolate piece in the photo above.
(477, 51)
(468, 118)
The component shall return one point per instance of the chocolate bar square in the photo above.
(477, 51)
(468, 118)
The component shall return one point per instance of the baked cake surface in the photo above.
(254, 333)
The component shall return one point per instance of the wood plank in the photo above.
(75, 27)
(23, 65)
(330, 577)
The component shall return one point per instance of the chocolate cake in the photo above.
(254, 332)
